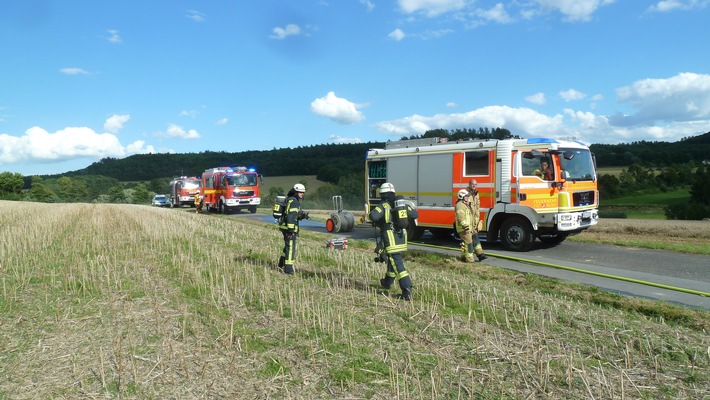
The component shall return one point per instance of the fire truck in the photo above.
(227, 189)
(183, 190)
(519, 202)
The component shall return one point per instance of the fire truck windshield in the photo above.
(189, 185)
(241, 180)
(577, 165)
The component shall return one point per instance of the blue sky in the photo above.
(81, 80)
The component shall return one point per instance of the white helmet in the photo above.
(387, 188)
(299, 188)
(463, 193)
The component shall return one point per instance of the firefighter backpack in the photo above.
(279, 207)
(399, 214)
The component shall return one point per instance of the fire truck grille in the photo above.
(583, 198)
(244, 192)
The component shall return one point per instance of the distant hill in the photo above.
(334, 160)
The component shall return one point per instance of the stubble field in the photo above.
(121, 301)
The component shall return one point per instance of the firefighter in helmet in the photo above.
(477, 222)
(198, 203)
(289, 226)
(392, 240)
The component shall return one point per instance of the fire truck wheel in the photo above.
(516, 234)
(252, 209)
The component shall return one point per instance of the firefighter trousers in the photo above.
(289, 253)
(396, 270)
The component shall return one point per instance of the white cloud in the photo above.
(189, 113)
(282, 33)
(114, 36)
(38, 145)
(684, 97)
(520, 121)
(537, 98)
(195, 16)
(341, 139)
(73, 71)
(222, 121)
(396, 35)
(431, 8)
(338, 109)
(115, 122)
(451, 104)
(574, 10)
(496, 14)
(571, 95)
(177, 131)
(368, 4)
(671, 5)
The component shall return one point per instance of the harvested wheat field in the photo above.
(122, 301)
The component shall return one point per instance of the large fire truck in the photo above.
(519, 202)
(183, 190)
(227, 189)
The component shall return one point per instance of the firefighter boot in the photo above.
(469, 258)
(282, 259)
(463, 252)
(479, 252)
(288, 269)
(406, 294)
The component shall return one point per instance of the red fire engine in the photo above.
(227, 189)
(183, 190)
(519, 202)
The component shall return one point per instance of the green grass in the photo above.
(650, 199)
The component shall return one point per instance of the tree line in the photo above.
(659, 166)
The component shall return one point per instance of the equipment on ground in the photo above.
(340, 220)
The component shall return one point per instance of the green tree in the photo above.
(11, 184)
(700, 190)
(39, 191)
(117, 194)
(70, 190)
(140, 194)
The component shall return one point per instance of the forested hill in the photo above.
(694, 148)
(328, 159)
(336, 160)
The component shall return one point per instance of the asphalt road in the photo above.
(666, 268)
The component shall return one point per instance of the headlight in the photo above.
(565, 217)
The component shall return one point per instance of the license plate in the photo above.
(587, 214)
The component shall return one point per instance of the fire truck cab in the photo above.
(227, 189)
(529, 188)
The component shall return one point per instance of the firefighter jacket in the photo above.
(476, 209)
(464, 217)
(393, 240)
(291, 216)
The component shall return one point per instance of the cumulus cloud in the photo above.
(73, 71)
(338, 109)
(684, 97)
(572, 95)
(520, 121)
(574, 10)
(431, 8)
(38, 145)
(341, 139)
(368, 4)
(115, 122)
(537, 98)
(396, 35)
(222, 121)
(114, 37)
(497, 14)
(177, 131)
(672, 5)
(451, 104)
(282, 33)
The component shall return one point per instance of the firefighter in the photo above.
(477, 223)
(464, 225)
(289, 226)
(392, 240)
(198, 203)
